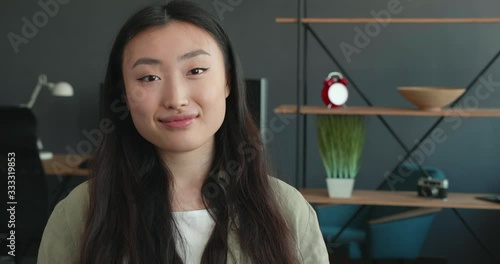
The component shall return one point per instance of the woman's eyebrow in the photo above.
(152, 61)
(192, 54)
(147, 61)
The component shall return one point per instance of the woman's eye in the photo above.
(149, 78)
(197, 71)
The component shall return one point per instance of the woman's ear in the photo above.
(227, 89)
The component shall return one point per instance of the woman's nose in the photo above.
(175, 94)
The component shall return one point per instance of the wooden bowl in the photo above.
(430, 98)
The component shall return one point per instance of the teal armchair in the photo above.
(399, 236)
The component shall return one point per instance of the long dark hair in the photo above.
(130, 215)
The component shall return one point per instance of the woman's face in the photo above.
(176, 86)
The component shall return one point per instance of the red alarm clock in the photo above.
(334, 93)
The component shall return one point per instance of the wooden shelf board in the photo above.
(401, 198)
(367, 110)
(392, 20)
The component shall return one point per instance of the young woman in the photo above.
(180, 174)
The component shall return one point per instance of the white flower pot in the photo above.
(339, 188)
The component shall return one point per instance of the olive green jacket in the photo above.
(61, 238)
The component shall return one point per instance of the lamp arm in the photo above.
(42, 80)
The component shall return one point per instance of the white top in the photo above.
(195, 228)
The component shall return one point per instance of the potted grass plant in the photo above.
(340, 139)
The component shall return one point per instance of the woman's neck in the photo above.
(188, 170)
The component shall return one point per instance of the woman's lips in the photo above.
(178, 121)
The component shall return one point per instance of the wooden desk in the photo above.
(400, 198)
(62, 164)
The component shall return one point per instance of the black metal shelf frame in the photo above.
(301, 135)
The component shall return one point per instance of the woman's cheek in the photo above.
(136, 97)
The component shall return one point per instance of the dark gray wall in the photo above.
(73, 45)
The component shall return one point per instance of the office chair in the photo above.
(18, 135)
(380, 232)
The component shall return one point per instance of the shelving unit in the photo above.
(302, 109)
(393, 20)
(402, 198)
(387, 111)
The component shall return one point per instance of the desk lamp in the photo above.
(63, 89)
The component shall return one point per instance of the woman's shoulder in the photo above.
(79, 192)
(61, 237)
(76, 201)
(73, 207)
(302, 221)
(294, 205)
(285, 190)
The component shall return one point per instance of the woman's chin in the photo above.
(181, 146)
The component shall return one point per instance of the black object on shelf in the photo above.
(492, 198)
